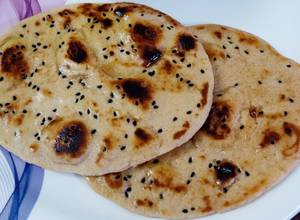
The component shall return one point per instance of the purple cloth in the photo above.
(28, 178)
(12, 11)
(28, 182)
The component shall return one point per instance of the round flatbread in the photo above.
(98, 88)
(249, 143)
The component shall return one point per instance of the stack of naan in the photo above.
(166, 120)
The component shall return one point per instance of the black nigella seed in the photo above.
(291, 100)
(202, 71)
(242, 127)
(285, 113)
(161, 196)
(134, 123)
(24, 111)
(122, 148)
(128, 189)
(1, 78)
(126, 194)
(21, 35)
(188, 182)
(247, 173)
(210, 165)
(95, 116)
(99, 86)
(14, 98)
(190, 160)
(175, 119)
(185, 211)
(189, 65)
(193, 174)
(225, 190)
(189, 112)
(143, 180)
(160, 130)
(110, 101)
(93, 131)
(259, 82)
(288, 66)
(54, 110)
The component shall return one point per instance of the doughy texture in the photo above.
(249, 142)
(94, 88)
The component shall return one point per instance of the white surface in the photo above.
(67, 197)
(7, 182)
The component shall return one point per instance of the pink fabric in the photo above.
(12, 11)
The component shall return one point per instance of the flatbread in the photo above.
(249, 143)
(95, 88)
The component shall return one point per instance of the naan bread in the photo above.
(98, 88)
(248, 144)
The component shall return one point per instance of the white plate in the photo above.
(67, 196)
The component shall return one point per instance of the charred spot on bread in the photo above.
(270, 137)
(150, 55)
(71, 140)
(137, 90)
(216, 124)
(143, 135)
(114, 180)
(106, 23)
(145, 33)
(204, 92)
(218, 34)
(226, 173)
(122, 10)
(186, 42)
(14, 63)
(77, 51)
